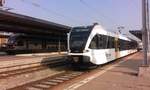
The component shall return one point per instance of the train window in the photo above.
(20, 43)
(113, 42)
(124, 45)
(103, 42)
(132, 45)
(94, 43)
(99, 42)
(35, 44)
(120, 44)
(110, 43)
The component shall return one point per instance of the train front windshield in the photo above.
(11, 39)
(78, 39)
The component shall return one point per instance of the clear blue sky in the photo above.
(109, 13)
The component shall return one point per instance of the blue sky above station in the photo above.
(109, 13)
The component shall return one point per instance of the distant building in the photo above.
(4, 38)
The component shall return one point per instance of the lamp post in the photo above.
(144, 70)
(148, 30)
(144, 31)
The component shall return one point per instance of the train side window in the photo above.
(113, 42)
(20, 43)
(104, 41)
(110, 43)
(100, 42)
(123, 45)
(35, 44)
(94, 43)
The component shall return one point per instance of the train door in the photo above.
(107, 51)
(117, 45)
(110, 48)
(20, 44)
(43, 44)
(97, 49)
(27, 44)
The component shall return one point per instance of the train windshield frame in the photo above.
(78, 38)
(11, 39)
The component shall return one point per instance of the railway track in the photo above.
(50, 82)
(53, 81)
(58, 79)
(27, 68)
(20, 74)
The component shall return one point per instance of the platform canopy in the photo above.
(4, 36)
(11, 22)
(137, 33)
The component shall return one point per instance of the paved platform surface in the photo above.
(8, 63)
(28, 56)
(121, 76)
(22, 69)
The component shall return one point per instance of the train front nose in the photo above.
(79, 59)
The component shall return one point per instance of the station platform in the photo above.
(21, 61)
(120, 76)
(21, 69)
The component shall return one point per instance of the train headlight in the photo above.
(76, 59)
(85, 51)
(69, 51)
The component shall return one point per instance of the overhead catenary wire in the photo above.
(93, 9)
(90, 16)
(133, 4)
(51, 11)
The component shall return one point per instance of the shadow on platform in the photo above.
(57, 63)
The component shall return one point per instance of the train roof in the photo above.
(28, 36)
(12, 22)
(105, 32)
(109, 33)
